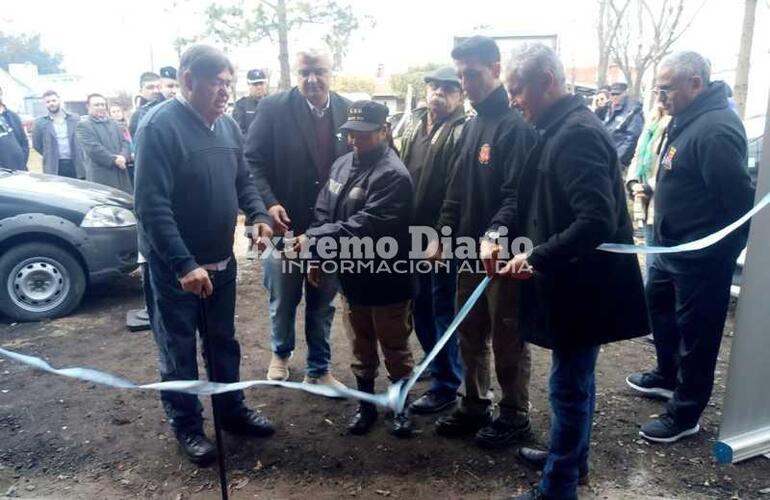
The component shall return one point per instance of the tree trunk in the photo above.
(283, 46)
(741, 89)
(604, 52)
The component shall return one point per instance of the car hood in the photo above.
(61, 191)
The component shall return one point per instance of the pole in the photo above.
(203, 327)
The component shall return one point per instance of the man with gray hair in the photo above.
(290, 148)
(703, 185)
(567, 199)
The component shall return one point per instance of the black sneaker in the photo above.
(433, 402)
(651, 384)
(665, 430)
(536, 459)
(501, 434)
(459, 423)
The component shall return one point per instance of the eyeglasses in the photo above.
(318, 72)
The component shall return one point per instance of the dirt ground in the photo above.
(61, 438)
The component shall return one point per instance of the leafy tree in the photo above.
(350, 83)
(413, 76)
(238, 23)
(27, 49)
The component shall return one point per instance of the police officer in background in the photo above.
(168, 83)
(246, 107)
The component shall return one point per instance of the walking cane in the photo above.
(203, 327)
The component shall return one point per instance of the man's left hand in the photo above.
(518, 268)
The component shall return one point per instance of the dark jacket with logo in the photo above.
(370, 196)
(569, 199)
(482, 166)
(703, 182)
(45, 142)
(245, 111)
(431, 179)
(281, 152)
(625, 124)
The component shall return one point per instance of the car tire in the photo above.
(39, 281)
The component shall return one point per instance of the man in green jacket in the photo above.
(430, 141)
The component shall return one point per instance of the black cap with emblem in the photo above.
(256, 76)
(366, 116)
(168, 72)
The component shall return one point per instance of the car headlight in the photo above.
(108, 216)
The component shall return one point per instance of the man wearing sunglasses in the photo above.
(430, 142)
(290, 148)
(703, 185)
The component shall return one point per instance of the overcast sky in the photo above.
(111, 41)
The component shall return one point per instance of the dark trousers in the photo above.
(688, 314)
(175, 319)
(67, 169)
(433, 310)
(572, 392)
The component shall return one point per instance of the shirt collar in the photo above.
(179, 97)
(319, 112)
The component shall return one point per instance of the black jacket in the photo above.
(244, 112)
(45, 142)
(569, 199)
(431, 179)
(140, 112)
(482, 166)
(703, 182)
(281, 152)
(190, 182)
(370, 197)
(625, 124)
(17, 129)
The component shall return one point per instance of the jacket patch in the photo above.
(357, 193)
(334, 186)
(485, 154)
(668, 160)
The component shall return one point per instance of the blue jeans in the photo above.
(285, 287)
(434, 309)
(572, 392)
(175, 316)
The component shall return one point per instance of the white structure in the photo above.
(745, 428)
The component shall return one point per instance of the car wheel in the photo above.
(39, 281)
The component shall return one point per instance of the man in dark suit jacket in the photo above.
(290, 148)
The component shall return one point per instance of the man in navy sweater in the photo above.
(191, 180)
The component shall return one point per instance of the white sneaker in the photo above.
(279, 368)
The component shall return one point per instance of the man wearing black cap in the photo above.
(624, 121)
(494, 145)
(168, 83)
(246, 107)
(369, 195)
(430, 141)
(290, 147)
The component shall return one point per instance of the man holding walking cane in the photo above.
(191, 180)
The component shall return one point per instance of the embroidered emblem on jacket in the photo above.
(485, 153)
(668, 161)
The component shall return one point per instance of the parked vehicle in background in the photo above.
(57, 236)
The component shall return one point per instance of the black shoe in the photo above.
(432, 402)
(651, 384)
(401, 426)
(534, 494)
(501, 434)
(459, 423)
(363, 420)
(535, 459)
(665, 430)
(197, 447)
(249, 424)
